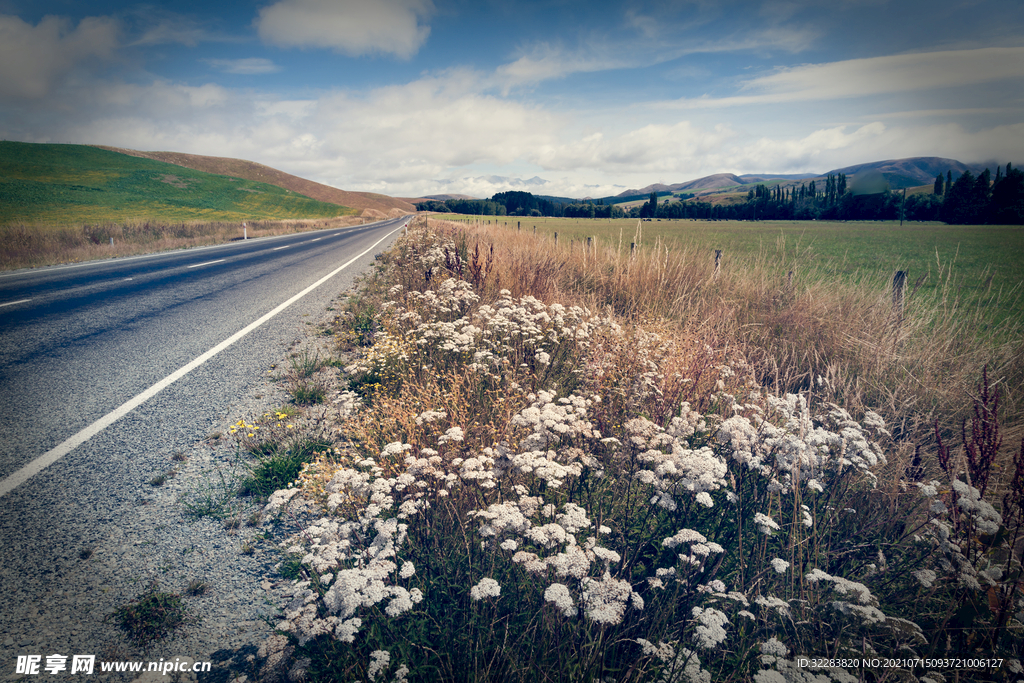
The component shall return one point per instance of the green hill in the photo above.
(78, 184)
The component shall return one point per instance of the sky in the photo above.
(557, 97)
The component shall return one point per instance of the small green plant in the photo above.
(308, 393)
(212, 498)
(158, 480)
(291, 567)
(197, 587)
(152, 617)
(248, 548)
(86, 552)
(277, 465)
(304, 364)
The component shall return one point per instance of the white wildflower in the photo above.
(379, 662)
(558, 593)
(780, 565)
(487, 588)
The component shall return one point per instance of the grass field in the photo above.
(985, 261)
(63, 185)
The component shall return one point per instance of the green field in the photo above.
(985, 260)
(63, 185)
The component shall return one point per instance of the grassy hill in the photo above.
(250, 170)
(78, 184)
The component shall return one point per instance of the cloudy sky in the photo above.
(415, 97)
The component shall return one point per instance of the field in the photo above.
(985, 261)
(63, 185)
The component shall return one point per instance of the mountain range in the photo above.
(900, 173)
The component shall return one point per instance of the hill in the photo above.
(250, 170)
(79, 184)
(901, 173)
(912, 171)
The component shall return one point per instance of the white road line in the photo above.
(207, 263)
(284, 247)
(11, 303)
(317, 239)
(54, 454)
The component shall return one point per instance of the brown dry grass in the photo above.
(914, 371)
(25, 245)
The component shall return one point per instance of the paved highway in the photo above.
(106, 370)
(78, 342)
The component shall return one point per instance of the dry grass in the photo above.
(914, 369)
(32, 245)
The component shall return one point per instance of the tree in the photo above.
(961, 205)
(1007, 205)
(937, 188)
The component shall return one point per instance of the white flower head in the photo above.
(780, 565)
(487, 588)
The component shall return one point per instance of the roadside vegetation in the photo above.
(567, 464)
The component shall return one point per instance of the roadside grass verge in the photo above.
(24, 245)
(586, 467)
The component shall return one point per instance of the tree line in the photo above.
(967, 200)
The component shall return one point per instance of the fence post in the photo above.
(517, 226)
(899, 286)
(556, 239)
(789, 280)
(718, 262)
(590, 244)
(632, 250)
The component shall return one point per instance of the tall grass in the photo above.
(25, 245)
(791, 329)
(575, 466)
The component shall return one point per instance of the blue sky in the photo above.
(415, 97)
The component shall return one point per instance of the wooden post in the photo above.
(632, 250)
(718, 262)
(789, 280)
(556, 239)
(590, 244)
(899, 286)
(517, 226)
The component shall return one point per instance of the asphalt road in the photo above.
(79, 343)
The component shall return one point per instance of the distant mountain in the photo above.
(913, 171)
(910, 172)
(250, 170)
(762, 177)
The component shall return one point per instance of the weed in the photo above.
(291, 567)
(248, 548)
(158, 480)
(152, 616)
(211, 498)
(278, 465)
(197, 587)
(86, 552)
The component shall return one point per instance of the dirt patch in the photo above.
(175, 181)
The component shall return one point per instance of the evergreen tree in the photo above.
(937, 188)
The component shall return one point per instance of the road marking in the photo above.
(196, 265)
(11, 303)
(317, 239)
(284, 247)
(54, 454)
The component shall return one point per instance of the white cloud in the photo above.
(352, 27)
(247, 67)
(34, 59)
(876, 76)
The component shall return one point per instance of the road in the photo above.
(78, 343)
